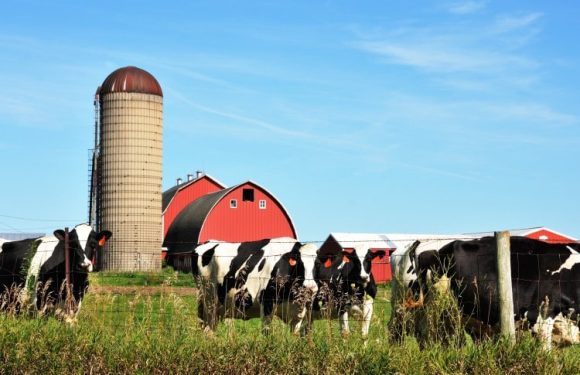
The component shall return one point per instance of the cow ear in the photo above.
(59, 233)
(345, 259)
(292, 261)
(327, 263)
(103, 237)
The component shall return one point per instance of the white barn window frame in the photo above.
(262, 204)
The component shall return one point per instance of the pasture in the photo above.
(147, 323)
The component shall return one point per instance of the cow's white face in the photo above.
(357, 266)
(84, 242)
(308, 256)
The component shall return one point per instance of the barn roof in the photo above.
(528, 231)
(184, 232)
(20, 236)
(169, 194)
(397, 241)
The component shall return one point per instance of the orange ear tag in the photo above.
(345, 259)
(102, 241)
(328, 263)
(292, 262)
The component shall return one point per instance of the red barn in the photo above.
(544, 234)
(180, 196)
(245, 212)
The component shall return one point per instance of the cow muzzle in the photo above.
(311, 286)
(364, 280)
(87, 264)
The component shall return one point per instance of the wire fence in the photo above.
(235, 284)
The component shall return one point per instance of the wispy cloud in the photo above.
(536, 113)
(509, 23)
(256, 123)
(439, 57)
(466, 7)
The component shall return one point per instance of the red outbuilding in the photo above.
(181, 195)
(245, 212)
(544, 234)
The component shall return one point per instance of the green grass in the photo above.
(167, 277)
(158, 333)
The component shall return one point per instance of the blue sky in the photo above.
(367, 116)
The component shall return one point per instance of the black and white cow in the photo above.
(346, 285)
(545, 281)
(35, 268)
(254, 279)
(404, 262)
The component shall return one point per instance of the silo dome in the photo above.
(131, 79)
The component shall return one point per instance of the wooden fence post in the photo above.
(504, 285)
(67, 259)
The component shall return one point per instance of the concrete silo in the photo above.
(130, 170)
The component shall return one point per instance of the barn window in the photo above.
(248, 195)
(263, 204)
(233, 203)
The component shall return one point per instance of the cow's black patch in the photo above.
(248, 256)
(206, 257)
(261, 265)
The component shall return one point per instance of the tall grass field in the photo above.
(152, 328)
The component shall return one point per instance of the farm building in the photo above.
(200, 210)
(182, 194)
(19, 236)
(543, 234)
(126, 170)
(381, 269)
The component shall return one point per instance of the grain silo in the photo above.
(129, 169)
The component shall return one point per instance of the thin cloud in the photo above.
(466, 7)
(505, 24)
(532, 112)
(448, 58)
(242, 119)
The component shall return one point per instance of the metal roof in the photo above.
(170, 193)
(184, 232)
(397, 241)
(130, 79)
(20, 236)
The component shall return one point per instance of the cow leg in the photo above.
(266, 315)
(298, 315)
(367, 315)
(207, 308)
(343, 318)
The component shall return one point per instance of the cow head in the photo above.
(307, 254)
(83, 244)
(348, 265)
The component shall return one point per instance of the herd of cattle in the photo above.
(298, 283)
